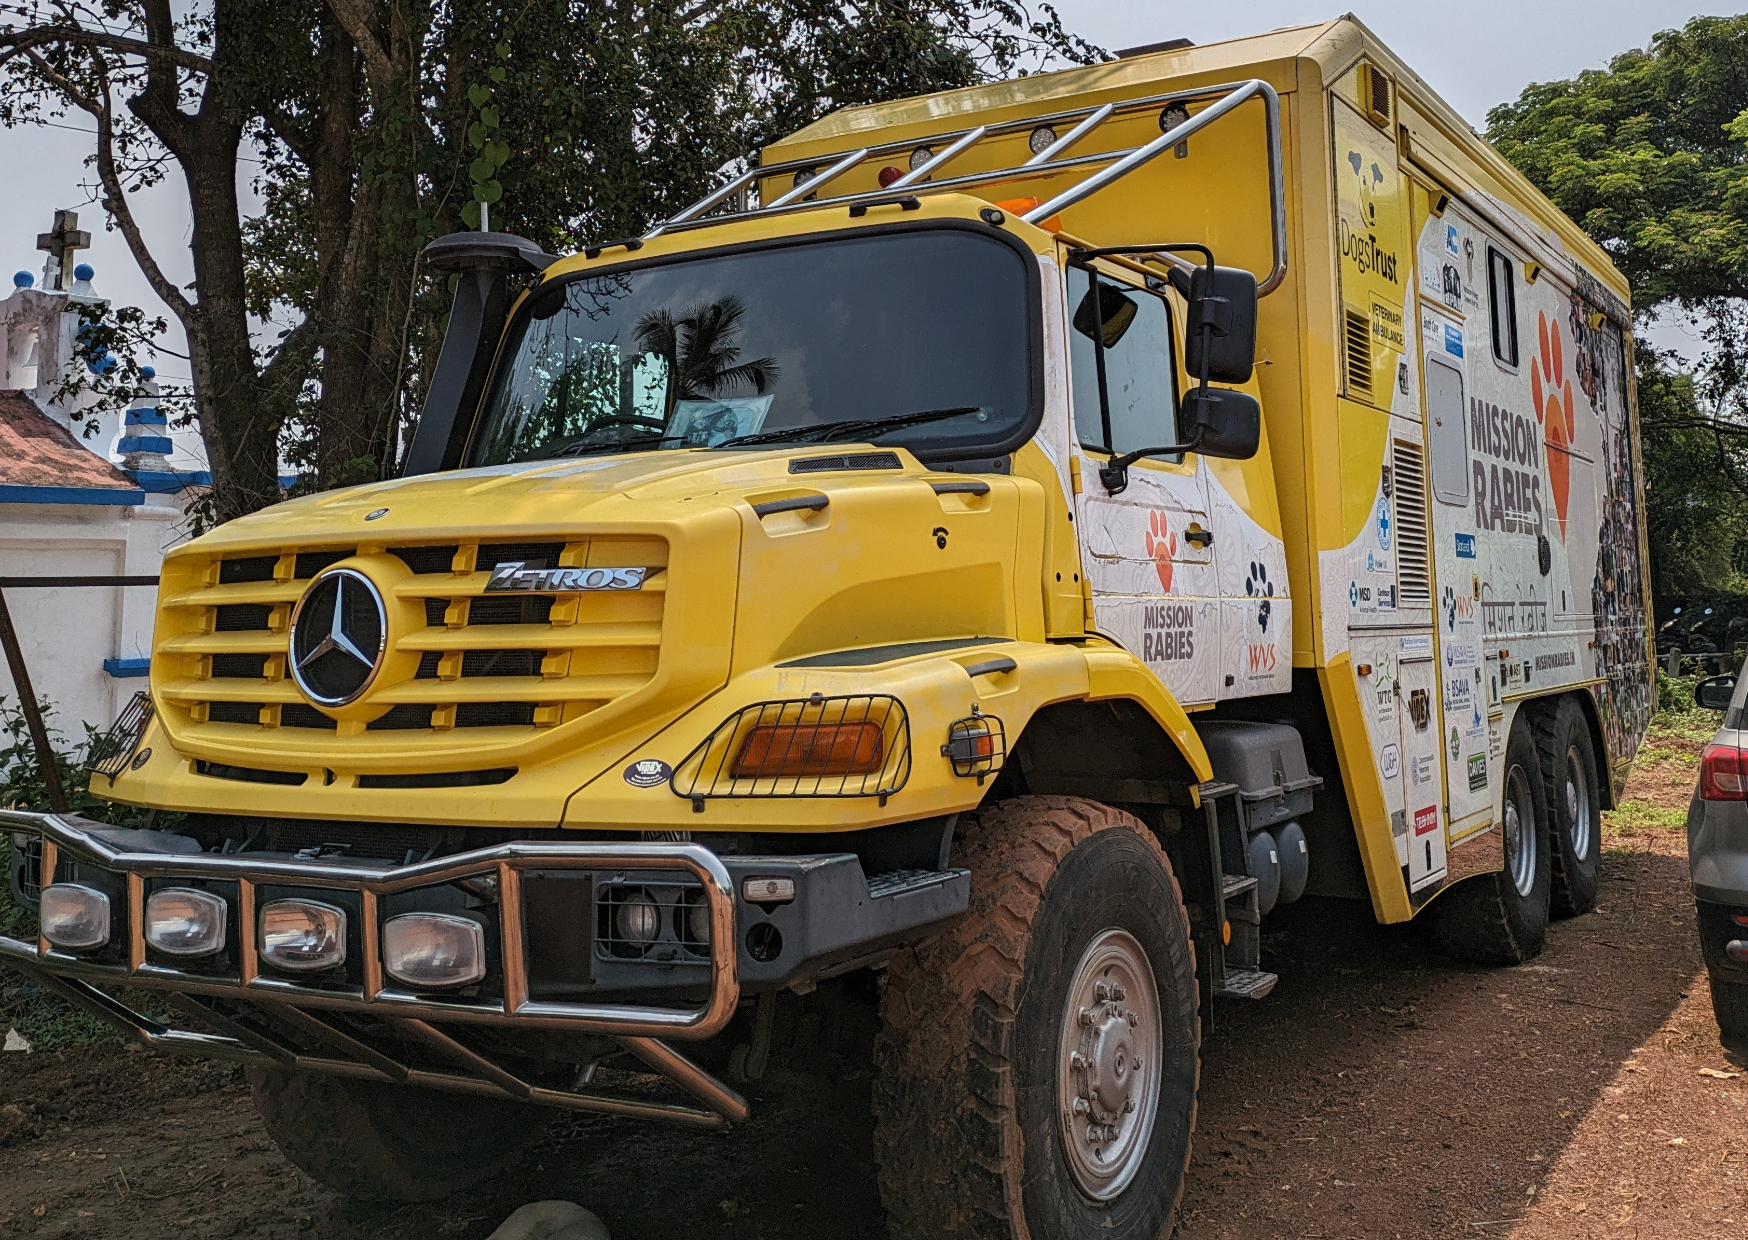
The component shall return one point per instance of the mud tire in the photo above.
(381, 1142)
(965, 1102)
(1563, 741)
(1486, 920)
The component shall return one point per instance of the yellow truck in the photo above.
(972, 568)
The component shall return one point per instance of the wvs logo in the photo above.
(1457, 607)
(1261, 654)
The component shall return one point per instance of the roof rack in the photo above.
(815, 172)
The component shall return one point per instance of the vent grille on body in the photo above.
(1358, 352)
(1408, 481)
(1377, 95)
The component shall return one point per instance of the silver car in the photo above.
(1717, 852)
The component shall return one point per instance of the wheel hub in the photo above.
(1109, 1071)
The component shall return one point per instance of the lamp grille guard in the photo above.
(1102, 167)
(410, 1016)
(855, 746)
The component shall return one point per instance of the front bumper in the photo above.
(837, 920)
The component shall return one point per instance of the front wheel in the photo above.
(1038, 1062)
(382, 1142)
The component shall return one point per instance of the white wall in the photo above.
(67, 633)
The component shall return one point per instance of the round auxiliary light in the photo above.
(433, 949)
(1042, 139)
(74, 916)
(804, 175)
(696, 906)
(184, 921)
(303, 935)
(638, 919)
(889, 174)
(1174, 115)
(919, 157)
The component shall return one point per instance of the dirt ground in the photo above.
(1379, 1092)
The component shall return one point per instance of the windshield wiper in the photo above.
(859, 428)
(623, 445)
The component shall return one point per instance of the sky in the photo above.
(1476, 54)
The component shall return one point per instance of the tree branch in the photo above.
(115, 202)
(37, 36)
(356, 20)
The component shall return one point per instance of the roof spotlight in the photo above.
(1042, 139)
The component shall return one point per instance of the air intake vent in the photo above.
(1408, 478)
(1359, 357)
(1377, 95)
(850, 460)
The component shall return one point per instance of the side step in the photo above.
(1246, 984)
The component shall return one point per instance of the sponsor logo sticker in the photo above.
(1426, 820)
(1390, 762)
(648, 773)
(1465, 546)
(1453, 340)
(1477, 772)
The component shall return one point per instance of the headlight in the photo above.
(182, 921)
(74, 917)
(433, 949)
(302, 935)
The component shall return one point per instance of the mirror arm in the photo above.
(1114, 473)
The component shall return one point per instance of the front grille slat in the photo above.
(241, 617)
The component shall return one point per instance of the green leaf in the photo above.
(480, 171)
(503, 50)
(497, 73)
(491, 191)
(476, 136)
(498, 152)
(488, 117)
(478, 95)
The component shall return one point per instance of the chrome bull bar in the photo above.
(637, 1028)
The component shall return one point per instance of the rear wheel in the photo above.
(386, 1142)
(1502, 918)
(1730, 1005)
(1574, 796)
(1037, 1063)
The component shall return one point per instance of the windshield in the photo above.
(928, 331)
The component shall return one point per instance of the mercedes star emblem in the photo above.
(338, 637)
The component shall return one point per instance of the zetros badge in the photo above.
(514, 575)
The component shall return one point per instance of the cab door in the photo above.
(1148, 549)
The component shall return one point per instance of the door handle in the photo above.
(1199, 536)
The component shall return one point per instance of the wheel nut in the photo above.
(1077, 1061)
(1088, 1017)
(1133, 1019)
(1118, 993)
(1081, 1106)
(1101, 992)
(1128, 1106)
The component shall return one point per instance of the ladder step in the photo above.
(1236, 885)
(1247, 984)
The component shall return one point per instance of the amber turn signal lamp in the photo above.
(790, 750)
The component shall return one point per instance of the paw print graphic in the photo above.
(1450, 608)
(1551, 393)
(1161, 547)
(1258, 585)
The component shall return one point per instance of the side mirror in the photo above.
(1223, 423)
(1715, 692)
(1222, 322)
